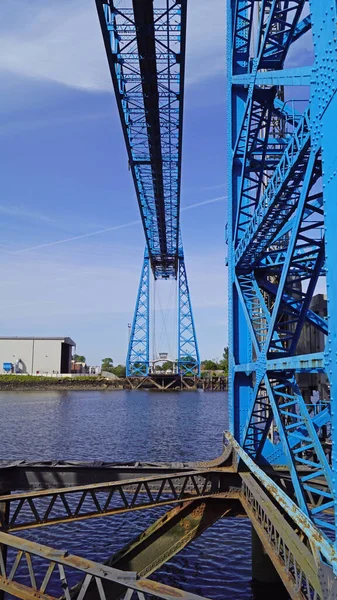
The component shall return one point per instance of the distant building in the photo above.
(79, 367)
(36, 355)
(95, 370)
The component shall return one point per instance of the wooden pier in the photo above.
(214, 384)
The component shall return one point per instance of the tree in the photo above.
(188, 365)
(139, 368)
(209, 365)
(223, 364)
(79, 358)
(107, 365)
(167, 366)
(119, 371)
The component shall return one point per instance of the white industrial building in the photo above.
(36, 355)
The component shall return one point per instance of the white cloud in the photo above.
(89, 234)
(66, 285)
(206, 39)
(19, 212)
(61, 42)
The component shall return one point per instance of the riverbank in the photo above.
(34, 382)
(98, 382)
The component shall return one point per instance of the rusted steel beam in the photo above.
(20, 578)
(164, 539)
(317, 539)
(38, 475)
(4, 517)
(291, 557)
(48, 507)
(171, 533)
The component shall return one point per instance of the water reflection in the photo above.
(128, 426)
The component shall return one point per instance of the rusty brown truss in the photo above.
(47, 507)
(304, 559)
(59, 566)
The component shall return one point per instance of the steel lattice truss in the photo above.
(137, 362)
(282, 246)
(52, 573)
(145, 46)
(282, 179)
(89, 501)
(188, 353)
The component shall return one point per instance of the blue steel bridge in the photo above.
(145, 47)
(279, 461)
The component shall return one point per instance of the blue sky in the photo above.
(65, 180)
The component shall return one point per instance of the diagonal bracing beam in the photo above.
(48, 507)
(21, 577)
(160, 542)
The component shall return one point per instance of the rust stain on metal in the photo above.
(154, 586)
(199, 511)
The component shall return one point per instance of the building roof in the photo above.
(66, 340)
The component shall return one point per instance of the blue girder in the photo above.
(188, 352)
(137, 361)
(282, 222)
(145, 47)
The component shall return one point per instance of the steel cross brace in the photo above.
(145, 48)
(137, 361)
(281, 242)
(188, 351)
(296, 550)
(59, 567)
(48, 507)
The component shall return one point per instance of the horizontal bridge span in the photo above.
(145, 47)
(293, 557)
(58, 568)
(48, 507)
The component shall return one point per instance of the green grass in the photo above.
(37, 381)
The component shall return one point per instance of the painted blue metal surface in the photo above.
(188, 352)
(137, 361)
(145, 47)
(282, 243)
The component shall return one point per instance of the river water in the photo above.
(129, 426)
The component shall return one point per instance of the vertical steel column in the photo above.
(188, 352)
(324, 111)
(137, 362)
(239, 336)
(282, 179)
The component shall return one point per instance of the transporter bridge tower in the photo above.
(145, 47)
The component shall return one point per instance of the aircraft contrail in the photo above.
(203, 202)
(108, 229)
(77, 237)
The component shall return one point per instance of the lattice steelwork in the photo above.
(145, 47)
(137, 362)
(188, 353)
(282, 175)
(279, 459)
(138, 359)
